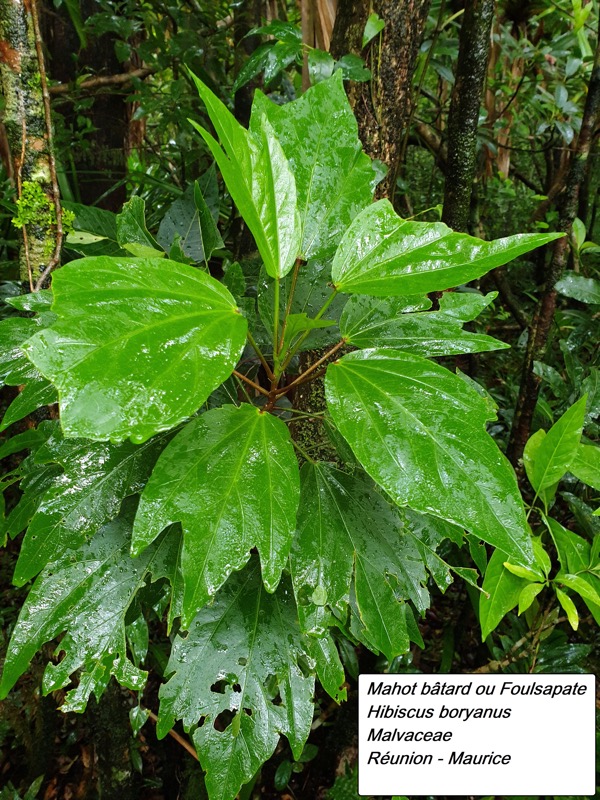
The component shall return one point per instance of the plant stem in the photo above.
(250, 383)
(260, 355)
(303, 378)
(298, 344)
(303, 452)
(179, 739)
(290, 299)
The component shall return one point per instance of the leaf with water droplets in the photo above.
(138, 346)
(419, 431)
(87, 596)
(231, 478)
(348, 532)
(383, 255)
(333, 183)
(242, 671)
(96, 477)
(386, 322)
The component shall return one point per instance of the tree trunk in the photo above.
(29, 134)
(463, 120)
(383, 105)
(544, 315)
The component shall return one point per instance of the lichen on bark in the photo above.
(26, 120)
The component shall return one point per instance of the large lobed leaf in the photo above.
(88, 596)
(96, 477)
(419, 431)
(231, 478)
(334, 178)
(243, 654)
(383, 255)
(138, 345)
(347, 532)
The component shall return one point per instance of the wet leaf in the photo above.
(190, 218)
(333, 183)
(387, 322)
(558, 448)
(347, 531)
(383, 255)
(419, 431)
(586, 465)
(244, 655)
(35, 393)
(258, 177)
(87, 596)
(96, 477)
(138, 346)
(231, 478)
(504, 590)
(586, 290)
(132, 233)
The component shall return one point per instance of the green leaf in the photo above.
(352, 68)
(556, 450)
(270, 59)
(31, 438)
(258, 177)
(189, 218)
(569, 608)
(382, 254)
(586, 465)
(586, 290)
(573, 551)
(523, 572)
(87, 596)
(298, 323)
(15, 369)
(585, 585)
(36, 393)
(132, 233)
(330, 671)
(333, 183)
(243, 654)
(384, 322)
(346, 530)
(96, 477)
(419, 431)
(138, 346)
(503, 590)
(528, 595)
(92, 221)
(231, 478)
(373, 26)
(320, 65)
(428, 533)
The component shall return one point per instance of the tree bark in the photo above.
(383, 105)
(29, 135)
(463, 119)
(544, 315)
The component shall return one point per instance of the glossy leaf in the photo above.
(243, 655)
(573, 551)
(333, 182)
(35, 393)
(138, 346)
(384, 322)
(270, 59)
(96, 477)
(190, 218)
(569, 608)
(328, 666)
(428, 532)
(100, 224)
(87, 596)
(588, 586)
(259, 180)
(320, 65)
(529, 457)
(383, 255)
(528, 595)
(346, 530)
(373, 27)
(14, 365)
(558, 448)
(231, 478)
(132, 233)
(586, 290)
(501, 590)
(586, 465)
(419, 431)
